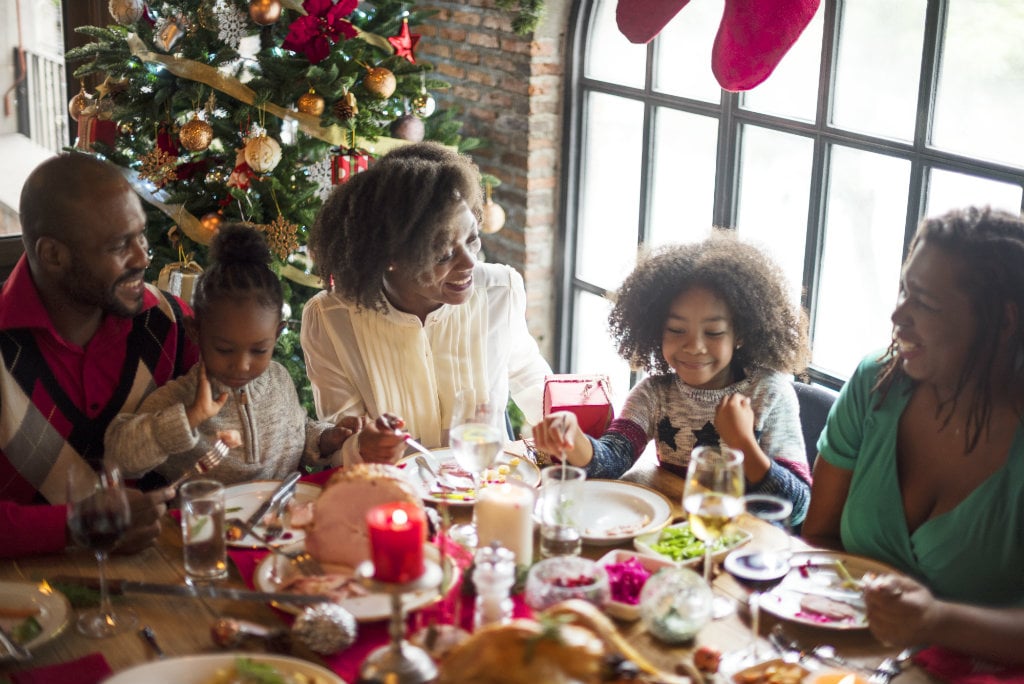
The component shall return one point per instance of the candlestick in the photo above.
(397, 534)
(504, 514)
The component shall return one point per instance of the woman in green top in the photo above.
(922, 458)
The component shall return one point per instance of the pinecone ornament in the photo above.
(346, 107)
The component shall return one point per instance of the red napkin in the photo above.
(91, 669)
(958, 668)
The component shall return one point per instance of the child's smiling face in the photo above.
(699, 339)
(237, 338)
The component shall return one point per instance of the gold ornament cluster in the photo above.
(282, 236)
(159, 168)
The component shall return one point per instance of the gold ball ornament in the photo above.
(210, 224)
(196, 135)
(380, 82)
(493, 217)
(265, 12)
(262, 154)
(423, 105)
(310, 103)
(79, 103)
(126, 12)
(408, 127)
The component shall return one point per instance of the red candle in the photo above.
(397, 534)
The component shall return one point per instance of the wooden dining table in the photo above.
(182, 625)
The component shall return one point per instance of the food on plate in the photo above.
(626, 579)
(18, 612)
(828, 610)
(337, 532)
(707, 659)
(679, 543)
(620, 530)
(248, 671)
(26, 630)
(338, 586)
(771, 672)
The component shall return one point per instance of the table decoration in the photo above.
(674, 604)
(504, 515)
(494, 573)
(397, 532)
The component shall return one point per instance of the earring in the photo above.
(391, 268)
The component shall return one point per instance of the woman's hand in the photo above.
(734, 420)
(900, 610)
(146, 510)
(382, 440)
(204, 406)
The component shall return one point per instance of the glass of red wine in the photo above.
(760, 570)
(98, 516)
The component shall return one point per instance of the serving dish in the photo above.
(21, 600)
(242, 500)
(645, 544)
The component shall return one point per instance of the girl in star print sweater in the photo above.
(713, 324)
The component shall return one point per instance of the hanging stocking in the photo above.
(641, 20)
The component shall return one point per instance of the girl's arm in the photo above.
(828, 497)
(140, 442)
(609, 457)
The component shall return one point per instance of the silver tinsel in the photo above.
(325, 628)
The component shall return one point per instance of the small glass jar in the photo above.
(494, 573)
(674, 604)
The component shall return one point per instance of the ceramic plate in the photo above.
(365, 608)
(816, 577)
(616, 511)
(200, 669)
(49, 607)
(520, 468)
(242, 500)
(645, 544)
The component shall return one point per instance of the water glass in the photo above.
(561, 505)
(202, 530)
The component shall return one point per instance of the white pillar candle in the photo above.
(504, 513)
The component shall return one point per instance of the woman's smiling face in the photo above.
(699, 339)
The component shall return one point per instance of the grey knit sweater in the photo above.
(277, 435)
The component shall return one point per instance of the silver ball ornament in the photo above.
(325, 628)
(423, 105)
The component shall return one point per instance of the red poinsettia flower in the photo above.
(314, 34)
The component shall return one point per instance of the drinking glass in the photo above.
(760, 570)
(202, 530)
(98, 516)
(561, 499)
(475, 441)
(713, 498)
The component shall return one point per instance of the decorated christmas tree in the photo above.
(251, 110)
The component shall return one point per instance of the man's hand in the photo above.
(146, 510)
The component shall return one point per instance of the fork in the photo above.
(891, 667)
(206, 462)
(276, 528)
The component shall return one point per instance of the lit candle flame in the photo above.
(400, 517)
(848, 679)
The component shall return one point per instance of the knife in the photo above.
(123, 586)
(279, 493)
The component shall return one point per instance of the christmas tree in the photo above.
(228, 110)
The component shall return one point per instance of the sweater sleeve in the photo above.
(334, 392)
(781, 438)
(613, 456)
(32, 529)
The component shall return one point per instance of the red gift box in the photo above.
(92, 129)
(587, 396)
(347, 164)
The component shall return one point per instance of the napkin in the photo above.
(90, 669)
(958, 668)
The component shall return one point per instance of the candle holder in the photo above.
(399, 662)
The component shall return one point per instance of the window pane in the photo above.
(593, 350)
(980, 95)
(867, 207)
(775, 169)
(792, 89)
(610, 57)
(683, 53)
(610, 189)
(879, 62)
(948, 190)
(683, 176)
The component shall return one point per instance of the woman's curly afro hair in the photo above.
(773, 330)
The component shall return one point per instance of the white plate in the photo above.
(200, 669)
(526, 471)
(364, 608)
(242, 500)
(51, 610)
(645, 544)
(619, 609)
(616, 511)
(815, 572)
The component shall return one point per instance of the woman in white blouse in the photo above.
(411, 317)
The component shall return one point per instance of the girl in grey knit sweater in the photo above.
(713, 324)
(236, 389)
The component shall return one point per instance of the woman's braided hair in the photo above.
(397, 212)
(239, 269)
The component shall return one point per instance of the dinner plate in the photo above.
(615, 511)
(366, 608)
(735, 537)
(201, 669)
(48, 606)
(816, 573)
(523, 469)
(242, 500)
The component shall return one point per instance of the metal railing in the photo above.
(42, 100)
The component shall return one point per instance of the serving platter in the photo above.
(242, 500)
(461, 485)
(21, 600)
(201, 669)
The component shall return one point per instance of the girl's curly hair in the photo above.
(239, 268)
(989, 245)
(397, 212)
(772, 328)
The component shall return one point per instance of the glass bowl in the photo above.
(674, 604)
(561, 578)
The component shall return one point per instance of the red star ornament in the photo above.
(405, 42)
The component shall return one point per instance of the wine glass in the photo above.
(713, 498)
(475, 441)
(759, 569)
(98, 516)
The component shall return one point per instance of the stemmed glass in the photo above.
(98, 516)
(759, 569)
(475, 441)
(713, 498)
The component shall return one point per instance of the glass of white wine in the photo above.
(713, 499)
(476, 441)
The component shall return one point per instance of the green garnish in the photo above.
(680, 543)
(258, 673)
(26, 630)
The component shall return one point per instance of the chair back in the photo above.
(815, 402)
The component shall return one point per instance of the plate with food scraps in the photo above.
(823, 589)
(678, 543)
(615, 511)
(32, 613)
(226, 667)
(459, 490)
(276, 573)
(242, 500)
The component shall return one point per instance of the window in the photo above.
(881, 114)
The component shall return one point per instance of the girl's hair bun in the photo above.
(240, 244)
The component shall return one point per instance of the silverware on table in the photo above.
(823, 653)
(13, 648)
(237, 525)
(275, 528)
(892, 667)
(149, 636)
(123, 586)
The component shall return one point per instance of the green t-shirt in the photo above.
(973, 553)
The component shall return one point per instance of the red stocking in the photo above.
(753, 38)
(641, 20)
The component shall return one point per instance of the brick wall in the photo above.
(509, 91)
